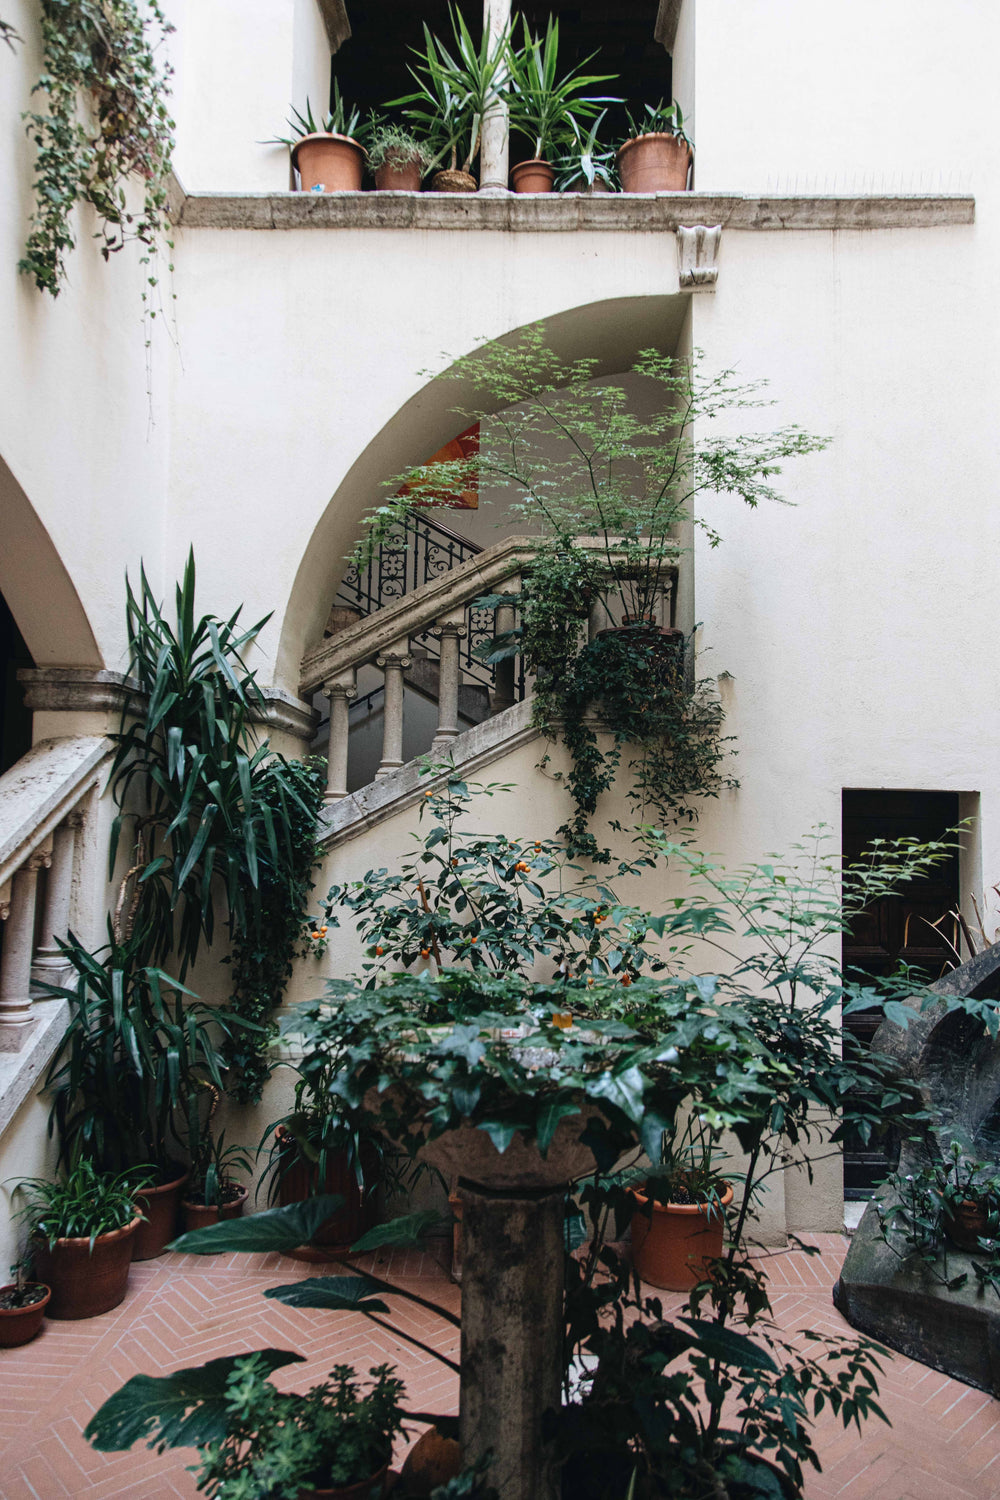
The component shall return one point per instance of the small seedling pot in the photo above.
(18, 1325)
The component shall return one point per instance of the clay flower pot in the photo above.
(654, 164)
(86, 1283)
(18, 1325)
(372, 1488)
(160, 1205)
(200, 1215)
(399, 176)
(670, 1249)
(329, 163)
(453, 182)
(336, 1236)
(534, 176)
(966, 1224)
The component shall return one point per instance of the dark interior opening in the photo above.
(371, 67)
(15, 719)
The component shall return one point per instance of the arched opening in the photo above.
(15, 719)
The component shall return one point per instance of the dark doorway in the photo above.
(15, 719)
(896, 929)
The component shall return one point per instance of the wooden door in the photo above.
(896, 929)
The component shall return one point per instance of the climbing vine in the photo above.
(99, 54)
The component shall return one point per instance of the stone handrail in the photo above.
(42, 809)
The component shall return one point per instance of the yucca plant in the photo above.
(455, 90)
(584, 159)
(339, 121)
(545, 107)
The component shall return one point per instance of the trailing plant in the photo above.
(455, 90)
(103, 53)
(82, 1205)
(547, 108)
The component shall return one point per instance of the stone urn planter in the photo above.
(85, 1281)
(328, 163)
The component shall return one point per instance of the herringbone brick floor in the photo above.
(944, 1443)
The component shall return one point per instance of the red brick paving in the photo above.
(944, 1443)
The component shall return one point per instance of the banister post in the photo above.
(449, 630)
(393, 660)
(49, 962)
(341, 691)
(16, 1020)
(503, 694)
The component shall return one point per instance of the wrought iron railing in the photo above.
(416, 551)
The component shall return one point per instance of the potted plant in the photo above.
(22, 1307)
(679, 1224)
(455, 89)
(657, 156)
(213, 1193)
(544, 107)
(583, 164)
(80, 1234)
(326, 155)
(396, 159)
(332, 1443)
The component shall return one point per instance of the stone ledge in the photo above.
(354, 815)
(20, 1072)
(38, 792)
(560, 213)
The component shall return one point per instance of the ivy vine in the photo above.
(100, 52)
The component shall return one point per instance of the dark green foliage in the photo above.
(332, 1293)
(84, 1204)
(279, 1229)
(174, 1411)
(99, 54)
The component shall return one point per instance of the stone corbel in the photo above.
(698, 256)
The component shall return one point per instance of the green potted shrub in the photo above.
(332, 1443)
(680, 1220)
(22, 1307)
(455, 90)
(213, 1192)
(546, 108)
(81, 1230)
(326, 154)
(657, 156)
(396, 158)
(583, 164)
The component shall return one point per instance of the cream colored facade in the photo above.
(849, 156)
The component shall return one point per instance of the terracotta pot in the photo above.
(654, 164)
(18, 1325)
(200, 1215)
(670, 1250)
(367, 1489)
(453, 182)
(432, 1461)
(85, 1284)
(966, 1223)
(534, 176)
(339, 1232)
(329, 163)
(399, 177)
(160, 1205)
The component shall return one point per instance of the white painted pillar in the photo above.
(393, 662)
(494, 152)
(449, 631)
(341, 691)
(49, 962)
(503, 695)
(16, 1020)
(597, 620)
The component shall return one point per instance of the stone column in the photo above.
(494, 152)
(512, 1331)
(449, 632)
(393, 662)
(341, 691)
(597, 620)
(16, 1020)
(49, 962)
(503, 694)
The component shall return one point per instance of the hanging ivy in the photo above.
(99, 54)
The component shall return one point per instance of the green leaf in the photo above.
(276, 1229)
(183, 1410)
(730, 1347)
(334, 1293)
(409, 1229)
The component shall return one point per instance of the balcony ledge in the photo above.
(555, 213)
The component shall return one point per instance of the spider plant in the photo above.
(545, 108)
(455, 89)
(83, 1205)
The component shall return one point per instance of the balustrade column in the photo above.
(16, 1020)
(598, 619)
(503, 694)
(58, 892)
(494, 150)
(449, 631)
(341, 691)
(393, 662)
